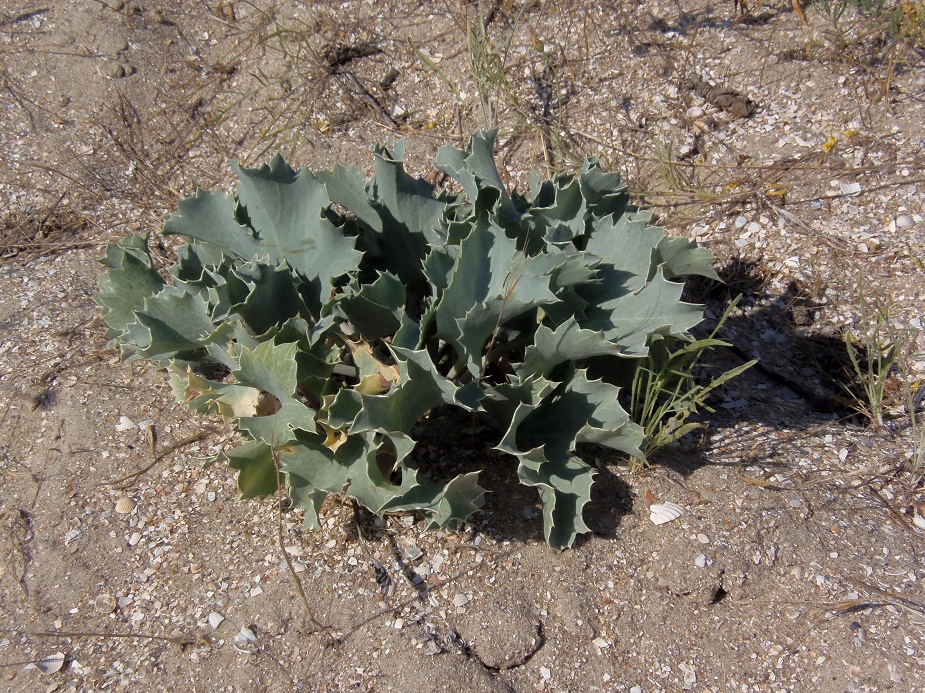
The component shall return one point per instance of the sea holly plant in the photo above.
(325, 315)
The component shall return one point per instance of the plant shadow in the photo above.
(782, 331)
(801, 381)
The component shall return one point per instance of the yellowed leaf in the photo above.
(365, 361)
(334, 436)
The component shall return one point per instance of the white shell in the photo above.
(918, 516)
(246, 635)
(125, 424)
(51, 665)
(125, 505)
(105, 604)
(660, 513)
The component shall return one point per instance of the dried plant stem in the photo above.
(282, 548)
(179, 444)
(188, 640)
(494, 332)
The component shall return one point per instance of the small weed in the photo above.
(487, 61)
(913, 391)
(674, 177)
(876, 24)
(535, 106)
(665, 391)
(874, 351)
(899, 20)
(45, 230)
(918, 455)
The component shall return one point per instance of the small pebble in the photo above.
(545, 673)
(215, 619)
(703, 538)
(701, 561)
(460, 600)
(904, 221)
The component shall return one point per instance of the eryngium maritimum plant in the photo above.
(335, 333)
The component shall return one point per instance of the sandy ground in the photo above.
(794, 152)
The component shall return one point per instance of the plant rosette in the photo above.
(324, 315)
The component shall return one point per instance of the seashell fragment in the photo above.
(51, 665)
(246, 635)
(105, 604)
(125, 424)
(246, 641)
(918, 516)
(660, 513)
(125, 505)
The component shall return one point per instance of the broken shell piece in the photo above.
(245, 641)
(51, 665)
(660, 513)
(918, 516)
(125, 424)
(125, 505)
(246, 635)
(105, 604)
